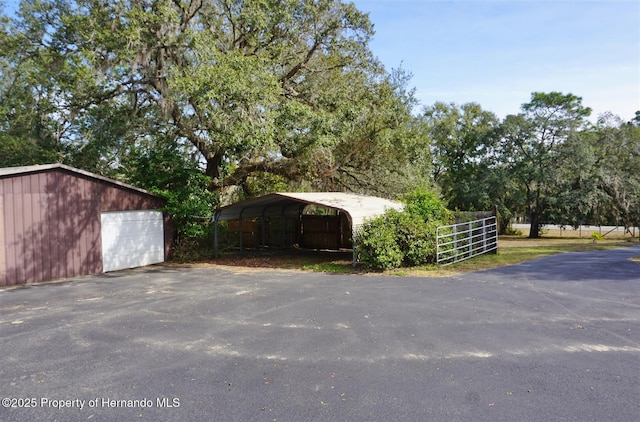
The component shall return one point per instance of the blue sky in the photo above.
(497, 52)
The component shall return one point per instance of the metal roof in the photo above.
(15, 171)
(357, 207)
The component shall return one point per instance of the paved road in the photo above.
(557, 339)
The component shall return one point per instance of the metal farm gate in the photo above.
(465, 240)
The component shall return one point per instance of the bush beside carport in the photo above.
(406, 237)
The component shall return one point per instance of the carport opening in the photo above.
(315, 228)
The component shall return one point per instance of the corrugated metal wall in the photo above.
(268, 231)
(50, 224)
(326, 231)
(312, 231)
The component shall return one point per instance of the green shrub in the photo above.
(403, 238)
(202, 245)
(426, 204)
(420, 247)
(166, 169)
(510, 231)
(377, 245)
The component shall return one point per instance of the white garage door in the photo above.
(131, 239)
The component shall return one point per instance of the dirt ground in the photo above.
(290, 258)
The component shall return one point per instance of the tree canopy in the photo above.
(281, 87)
(207, 101)
(547, 163)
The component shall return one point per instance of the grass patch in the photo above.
(516, 249)
(330, 267)
(511, 250)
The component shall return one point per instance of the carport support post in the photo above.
(353, 241)
(216, 215)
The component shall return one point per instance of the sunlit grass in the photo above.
(330, 267)
(516, 249)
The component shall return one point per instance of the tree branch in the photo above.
(294, 71)
(282, 167)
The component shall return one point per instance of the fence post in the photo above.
(484, 235)
(438, 245)
(455, 243)
(470, 238)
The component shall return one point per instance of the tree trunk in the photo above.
(534, 219)
(213, 168)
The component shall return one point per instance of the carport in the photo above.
(354, 207)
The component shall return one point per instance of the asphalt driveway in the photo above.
(556, 339)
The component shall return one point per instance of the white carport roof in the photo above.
(357, 207)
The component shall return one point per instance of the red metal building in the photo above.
(58, 222)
